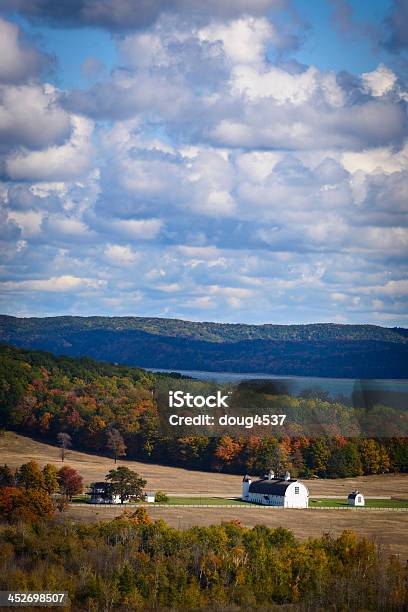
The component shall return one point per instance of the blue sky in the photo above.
(232, 161)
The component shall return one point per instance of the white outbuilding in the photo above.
(149, 498)
(284, 491)
(356, 499)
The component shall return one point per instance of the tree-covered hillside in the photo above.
(113, 410)
(353, 351)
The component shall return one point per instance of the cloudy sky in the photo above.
(227, 160)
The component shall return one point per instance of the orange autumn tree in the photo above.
(227, 452)
(19, 504)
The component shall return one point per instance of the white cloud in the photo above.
(275, 83)
(29, 221)
(142, 229)
(256, 189)
(65, 226)
(18, 61)
(379, 82)
(58, 163)
(385, 159)
(121, 254)
(30, 116)
(168, 287)
(57, 284)
(244, 40)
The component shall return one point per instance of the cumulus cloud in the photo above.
(379, 81)
(247, 187)
(120, 254)
(244, 40)
(31, 117)
(18, 60)
(57, 163)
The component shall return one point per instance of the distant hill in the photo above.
(323, 349)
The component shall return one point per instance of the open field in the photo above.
(178, 500)
(16, 449)
(369, 503)
(388, 529)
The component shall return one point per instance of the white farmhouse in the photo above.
(286, 492)
(356, 499)
(101, 493)
(149, 498)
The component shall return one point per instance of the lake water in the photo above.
(296, 385)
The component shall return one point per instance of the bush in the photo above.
(161, 497)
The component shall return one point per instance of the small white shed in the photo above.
(356, 499)
(149, 498)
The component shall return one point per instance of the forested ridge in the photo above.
(212, 332)
(331, 350)
(95, 403)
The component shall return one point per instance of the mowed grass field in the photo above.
(388, 528)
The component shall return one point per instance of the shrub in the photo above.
(161, 497)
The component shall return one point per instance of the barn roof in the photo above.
(277, 486)
(354, 494)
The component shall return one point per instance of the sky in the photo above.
(233, 160)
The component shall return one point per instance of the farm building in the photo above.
(286, 492)
(101, 493)
(149, 498)
(356, 499)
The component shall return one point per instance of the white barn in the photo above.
(356, 499)
(285, 492)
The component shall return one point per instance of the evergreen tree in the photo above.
(7, 478)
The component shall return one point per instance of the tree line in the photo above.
(133, 563)
(30, 492)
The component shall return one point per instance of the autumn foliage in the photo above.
(100, 407)
(18, 504)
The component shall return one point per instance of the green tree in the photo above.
(316, 456)
(126, 483)
(345, 461)
(29, 476)
(161, 497)
(50, 476)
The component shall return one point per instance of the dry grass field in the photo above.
(16, 449)
(388, 528)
